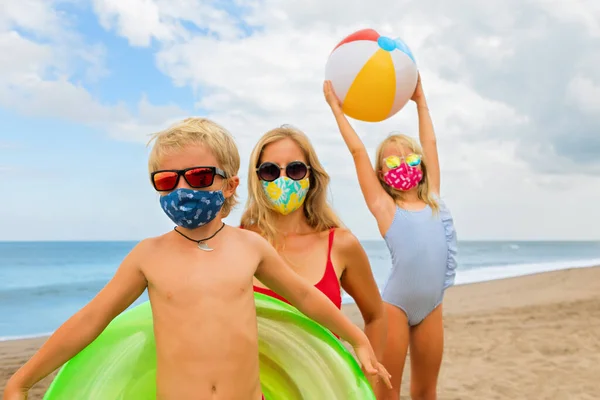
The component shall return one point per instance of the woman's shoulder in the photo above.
(345, 240)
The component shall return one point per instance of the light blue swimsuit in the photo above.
(423, 250)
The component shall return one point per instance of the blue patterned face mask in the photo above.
(192, 208)
(286, 195)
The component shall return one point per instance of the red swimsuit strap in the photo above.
(329, 283)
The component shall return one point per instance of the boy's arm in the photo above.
(273, 272)
(84, 326)
(380, 204)
(276, 275)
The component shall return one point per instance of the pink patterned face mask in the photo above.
(403, 177)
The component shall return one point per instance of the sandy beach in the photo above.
(532, 337)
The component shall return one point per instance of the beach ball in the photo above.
(374, 76)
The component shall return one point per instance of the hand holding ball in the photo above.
(373, 76)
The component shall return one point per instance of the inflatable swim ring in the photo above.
(299, 360)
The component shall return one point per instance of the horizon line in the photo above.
(370, 239)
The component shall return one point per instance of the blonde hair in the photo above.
(259, 212)
(423, 190)
(194, 131)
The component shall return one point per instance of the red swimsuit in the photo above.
(329, 283)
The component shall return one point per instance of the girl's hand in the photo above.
(418, 95)
(371, 367)
(330, 96)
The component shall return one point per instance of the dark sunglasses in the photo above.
(268, 171)
(196, 177)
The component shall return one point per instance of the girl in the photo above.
(287, 204)
(402, 193)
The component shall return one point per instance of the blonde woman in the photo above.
(402, 193)
(287, 204)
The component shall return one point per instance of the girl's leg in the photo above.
(395, 352)
(426, 348)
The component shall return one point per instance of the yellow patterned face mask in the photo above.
(286, 195)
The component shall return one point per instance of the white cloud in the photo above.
(142, 21)
(479, 64)
(36, 80)
(583, 93)
(585, 12)
(149, 119)
(32, 15)
(253, 82)
(138, 20)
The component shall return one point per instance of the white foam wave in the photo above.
(491, 273)
(23, 337)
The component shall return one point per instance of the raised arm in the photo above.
(427, 138)
(83, 327)
(274, 273)
(378, 201)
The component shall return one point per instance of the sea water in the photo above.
(44, 283)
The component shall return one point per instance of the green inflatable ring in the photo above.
(299, 360)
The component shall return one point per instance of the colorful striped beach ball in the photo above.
(374, 76)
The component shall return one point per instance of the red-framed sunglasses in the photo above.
(197, 177)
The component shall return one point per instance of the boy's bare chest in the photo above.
(193, 274)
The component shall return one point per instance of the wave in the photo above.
(24, 337)
(492, 273)
(497, 272)
(62, 289)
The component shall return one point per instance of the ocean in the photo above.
(44, 283)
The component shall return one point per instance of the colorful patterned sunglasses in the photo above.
(412, 160)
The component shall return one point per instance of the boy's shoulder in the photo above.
(153, 245)
(249, 234)
(253, 239)
(154, 240)
(150, 245)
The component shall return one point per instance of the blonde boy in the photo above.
(199, 280)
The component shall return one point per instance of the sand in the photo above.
(531, 337)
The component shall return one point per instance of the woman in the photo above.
(287, 204)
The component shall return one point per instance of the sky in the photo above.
(513, 88)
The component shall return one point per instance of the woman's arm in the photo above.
(83, 327)
(309, 300)
(379, 203)
(427, 138)
(358, 281)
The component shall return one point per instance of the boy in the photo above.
(199, 280)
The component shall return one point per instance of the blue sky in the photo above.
(88, 81)
(65, 177)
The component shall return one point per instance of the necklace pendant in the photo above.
(203, 246)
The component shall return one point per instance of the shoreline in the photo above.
(532, 336)
(511, 271)
(505, 272)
